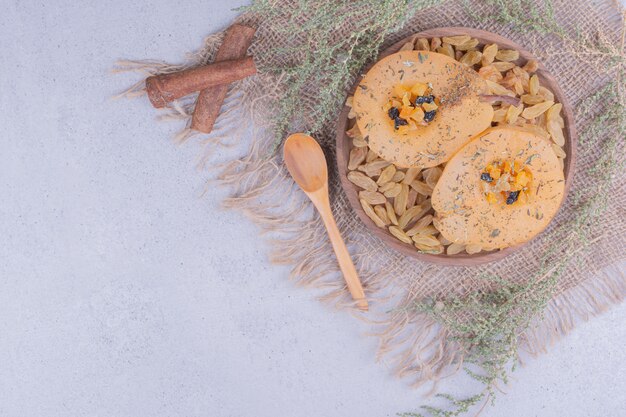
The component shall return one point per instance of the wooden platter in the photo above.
(344, 145)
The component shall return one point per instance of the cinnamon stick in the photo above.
(164, 88)
(235, 44)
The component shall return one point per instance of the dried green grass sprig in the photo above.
(535, 16)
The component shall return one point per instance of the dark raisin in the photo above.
(512, 197)
(424, 99)
(398, 121)
(429, 115)
(486, 177)
(393, 113)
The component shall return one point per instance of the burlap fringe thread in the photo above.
(416, 347)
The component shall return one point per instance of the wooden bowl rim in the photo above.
(351, 190)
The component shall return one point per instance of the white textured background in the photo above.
(124, 294)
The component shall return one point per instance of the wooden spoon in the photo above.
(307, 165)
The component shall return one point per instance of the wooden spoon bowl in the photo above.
(344, 145)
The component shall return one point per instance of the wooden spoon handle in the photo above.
(343, 257)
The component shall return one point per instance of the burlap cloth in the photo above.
(262, 189)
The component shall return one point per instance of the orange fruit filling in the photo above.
(506, 182)
(411, 106)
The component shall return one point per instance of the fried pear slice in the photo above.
(475, 206)
(460, 114)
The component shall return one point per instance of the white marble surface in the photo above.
(122, 293)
